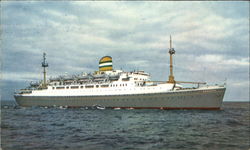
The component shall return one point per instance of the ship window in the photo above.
(125, 79)
(67, 87)
(81, 86)
(135, 78)
(53, 88)
(89, 86)
(59, 87)
(97, 86)
(105, 85)
(74, 87)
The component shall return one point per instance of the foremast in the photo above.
(171, 52)
(171, 74)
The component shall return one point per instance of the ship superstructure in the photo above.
(116, 88)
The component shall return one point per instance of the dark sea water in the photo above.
(92, 129)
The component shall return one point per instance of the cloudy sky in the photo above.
(211, 40)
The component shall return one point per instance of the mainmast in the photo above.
(44, 65)
(171, 52)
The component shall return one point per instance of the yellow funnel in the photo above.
(105, 64)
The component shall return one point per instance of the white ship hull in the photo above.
(210, 98)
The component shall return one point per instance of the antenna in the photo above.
(44, 65)
(171, 52)
(170, 42)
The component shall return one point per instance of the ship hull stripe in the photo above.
(205, 108)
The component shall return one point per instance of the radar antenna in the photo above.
(171, 52)
(44, 65)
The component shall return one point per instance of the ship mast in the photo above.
(44, 65)
(171, 52)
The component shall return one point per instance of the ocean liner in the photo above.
(119, 89)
